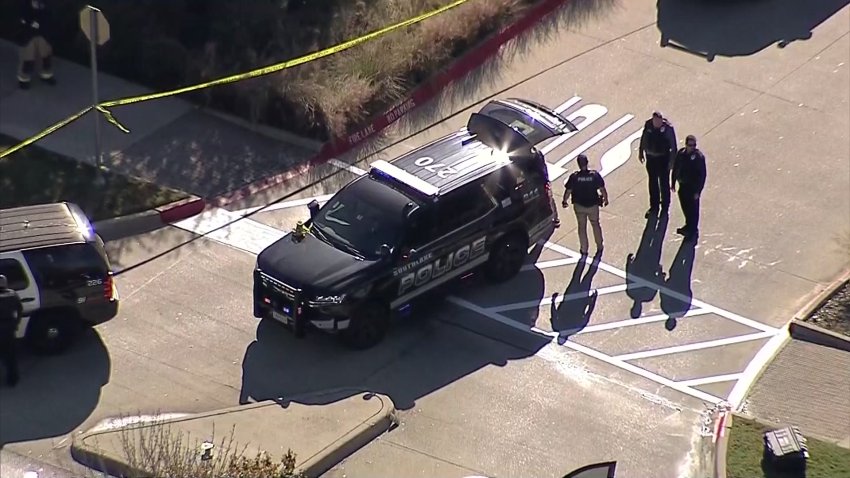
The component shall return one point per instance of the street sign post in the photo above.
(96, 29)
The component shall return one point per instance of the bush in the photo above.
(171, 44)
(161, 452)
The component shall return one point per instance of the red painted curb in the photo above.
(182, 210)
(420, 96)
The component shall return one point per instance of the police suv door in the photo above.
(450, 243)
(21, 280)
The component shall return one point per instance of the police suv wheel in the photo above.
(50, 334)
(506, 258)
(367, 328)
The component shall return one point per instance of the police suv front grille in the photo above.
(279, 287)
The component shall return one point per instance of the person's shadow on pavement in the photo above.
(645, 265)
(573, 313)
(676, 300)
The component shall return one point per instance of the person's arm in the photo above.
(568, 190)
(642, 146)
(674, 176)
(701, 174)
(674, 147)
(601, 189)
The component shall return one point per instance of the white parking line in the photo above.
(650, 319)
(695, 346)
(756, 365)
(549, 264)
(695, 382)
(587, 351)
(284, 205)
(560, 298)
(638, 281)
(595, 139)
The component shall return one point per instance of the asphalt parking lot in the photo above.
(538, 376)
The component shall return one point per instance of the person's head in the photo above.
(690, 143)
(3, 282)
(582, 162)
(657, 119)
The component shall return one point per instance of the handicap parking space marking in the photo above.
(699, 308)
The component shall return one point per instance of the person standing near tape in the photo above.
(34, 46)
(690, 172)
(586, 187)
(657, 150)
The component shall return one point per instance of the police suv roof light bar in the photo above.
(403, 176)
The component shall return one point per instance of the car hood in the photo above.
(311, 264)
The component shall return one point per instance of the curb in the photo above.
(796, 328)
(721, 431)
(421, 95)
(314, 466)
(146, 221)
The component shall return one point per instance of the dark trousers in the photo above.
(690, 208)
(657, 168)
(9, 356)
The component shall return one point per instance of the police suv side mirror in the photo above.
(314, 208)
(385, 251)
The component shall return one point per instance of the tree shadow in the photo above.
(644, 266)
(676, 301)
(573, 312)
(55, 394)
(739, 28)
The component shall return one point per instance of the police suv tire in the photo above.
(368, 326)
(51, 333)
(507, 257)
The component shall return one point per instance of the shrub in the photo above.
(171, 44)
(165, 453)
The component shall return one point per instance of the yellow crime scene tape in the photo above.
(102, 107)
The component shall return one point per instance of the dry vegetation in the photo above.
(180, 42)
(162, 452)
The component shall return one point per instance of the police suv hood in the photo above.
(312, 265)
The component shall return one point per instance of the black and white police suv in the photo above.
(476, 199)
(57, 264)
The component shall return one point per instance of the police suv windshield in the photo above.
(361, 218)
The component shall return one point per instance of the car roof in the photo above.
(441, 166)
(42, 225)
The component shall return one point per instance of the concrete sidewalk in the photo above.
(321, 436)
(171, 142)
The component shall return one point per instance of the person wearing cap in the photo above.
(586, 187)
(657, 149)
(690, 172)
(11, 311)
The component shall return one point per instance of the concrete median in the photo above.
(320, 435)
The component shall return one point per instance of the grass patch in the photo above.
(35, 175)
(746, 446)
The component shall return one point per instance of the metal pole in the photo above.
(95, 114)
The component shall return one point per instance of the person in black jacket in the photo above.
(586, 187)
(690, 172)
(11, 311)
(657, 149)
(34, 45)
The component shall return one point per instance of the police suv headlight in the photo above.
(325, 300)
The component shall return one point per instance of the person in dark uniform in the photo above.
(34, 45)
(690, 172)
(11, 311)
(587, 189)
(657, 149)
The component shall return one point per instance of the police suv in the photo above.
(57, 264)
(476, 199)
